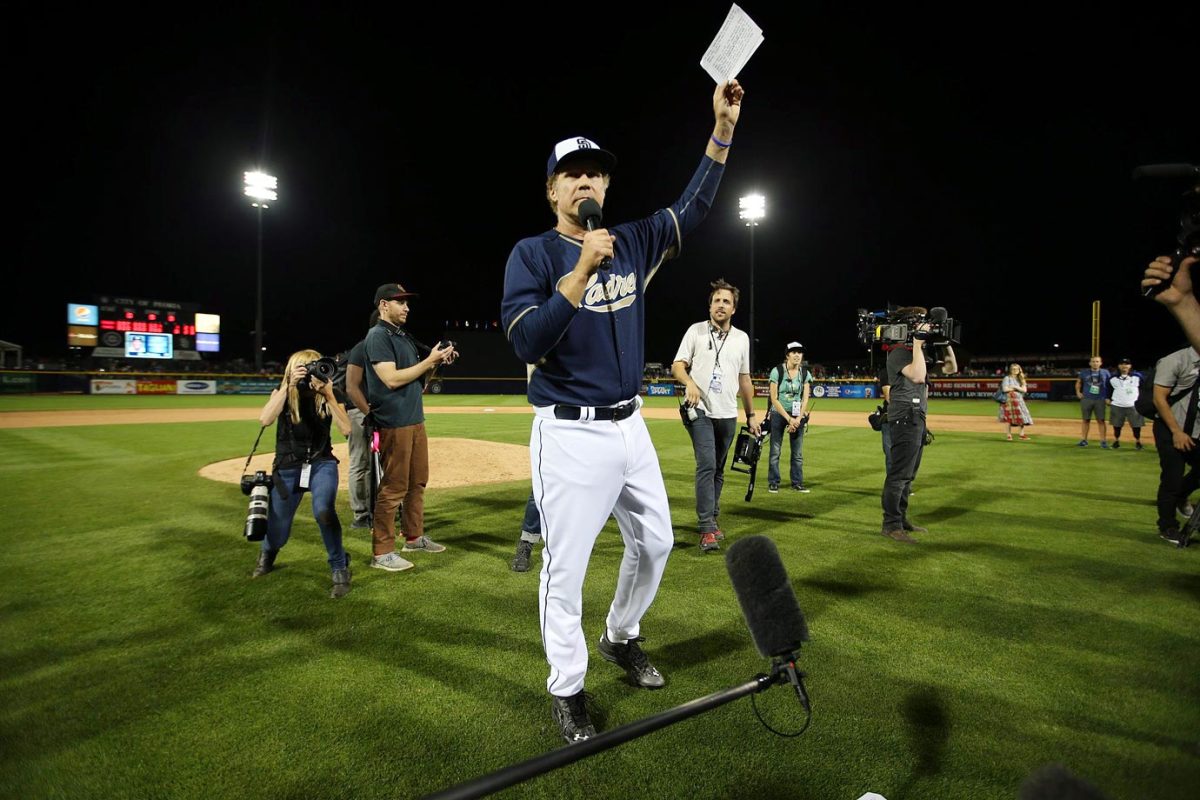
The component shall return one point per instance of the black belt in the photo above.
(613, 414)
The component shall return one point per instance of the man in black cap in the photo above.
(394, 385)
(1125, 387)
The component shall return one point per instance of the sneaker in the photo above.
(708, 542)
(520, 562)
(266, 563)
(1138, 446)
(719, 534)
(773, 488)
(629, 657)
(899, 535)
(392, 562)
(1185, 509)
(1104, 444)
(1024, 437)
(1171, 535)
(1083, 442)
(423, 544)
(801, 488)
(1008, 437)
(572, 717)
(361, 522)
(911, 528)
(1116, 445)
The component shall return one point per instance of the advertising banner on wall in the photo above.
(155, 387)
(247, 386)
(117, 386)
(848, 390)
(16, 384)
(984, 388)
(661, 390)
(195, 387)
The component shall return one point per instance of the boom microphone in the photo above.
(768, 602)
(1166, 171)
(937, 314)
(591, 216)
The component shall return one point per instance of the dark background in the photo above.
(971, 157)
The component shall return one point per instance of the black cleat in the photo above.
(629, 657)
(520, 562)
(571, 714)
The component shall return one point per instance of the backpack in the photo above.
(1144, 404)
(803, 375)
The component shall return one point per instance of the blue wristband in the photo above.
(718, 142)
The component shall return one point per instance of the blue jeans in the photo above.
(711, 439)
(778, 427)
(532, 524)
(322, 484)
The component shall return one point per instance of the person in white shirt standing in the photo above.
(1125, 386)
(713, 364)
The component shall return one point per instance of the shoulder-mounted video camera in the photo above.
(896, 326)
(746, 451)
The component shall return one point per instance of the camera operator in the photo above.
(394, 385)
(1176, 383)
(304, 406)
(907, 367)
(718, 354)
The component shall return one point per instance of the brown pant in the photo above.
(404, 456)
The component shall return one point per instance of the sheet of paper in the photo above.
(732, 47)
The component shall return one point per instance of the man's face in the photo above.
(394, 311)
(1094, 363)
(1125, 368)
(721, 307)
(576, 182)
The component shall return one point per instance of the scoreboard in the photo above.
(132, 327)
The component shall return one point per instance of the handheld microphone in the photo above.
(591, 216)
(769, 606)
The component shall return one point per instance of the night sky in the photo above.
(977, 158)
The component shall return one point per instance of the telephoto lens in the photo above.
(256, 515)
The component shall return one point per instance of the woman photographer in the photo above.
(305, 406)
(1013, 410)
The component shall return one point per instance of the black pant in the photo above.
(1173, 486)
(908, 442)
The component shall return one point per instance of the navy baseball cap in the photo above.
(392, 291)
(578, 147)
(1124, 361)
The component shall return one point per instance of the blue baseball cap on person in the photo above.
(578, 147)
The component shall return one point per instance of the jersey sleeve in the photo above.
(661, 235)
(534, 314)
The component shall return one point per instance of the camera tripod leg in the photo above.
(1189, 528)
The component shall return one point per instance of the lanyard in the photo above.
(712, 342)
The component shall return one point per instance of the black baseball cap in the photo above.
(795, 346)
(392, 291)
(1124, 361)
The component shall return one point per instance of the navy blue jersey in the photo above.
(578, 361)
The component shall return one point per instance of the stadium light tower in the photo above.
(752, 208)
(261, 188)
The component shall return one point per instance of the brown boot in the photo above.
(899, 535)
(266, 563)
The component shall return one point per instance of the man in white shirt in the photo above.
(713, 364)
(1125, 386)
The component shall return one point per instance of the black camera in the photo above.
(897, 325)
(258, 489)
(323, 369)
(1187, 241)
(746, 452)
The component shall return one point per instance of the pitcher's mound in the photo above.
(452, 462)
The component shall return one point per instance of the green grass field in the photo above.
(1040, 620)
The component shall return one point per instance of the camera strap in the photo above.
(252, 449)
